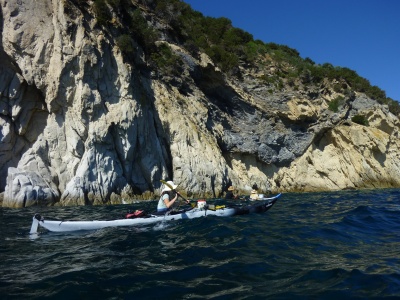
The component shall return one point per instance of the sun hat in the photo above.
(167, 188)
(231, 188)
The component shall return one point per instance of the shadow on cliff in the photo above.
(138, 144)
(24, 114)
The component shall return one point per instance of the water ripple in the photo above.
(309, 246)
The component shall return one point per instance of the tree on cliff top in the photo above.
(226, 45)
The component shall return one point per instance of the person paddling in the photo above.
(229, 194)
(254, 192)
(254, 195)
(168, 197)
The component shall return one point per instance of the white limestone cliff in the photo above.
(80, 125)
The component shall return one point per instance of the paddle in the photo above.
(170, 186)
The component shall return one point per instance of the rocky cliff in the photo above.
(81, 124)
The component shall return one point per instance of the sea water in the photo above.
(337, 245)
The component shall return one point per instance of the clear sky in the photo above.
(362, 35)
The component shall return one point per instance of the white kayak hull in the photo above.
(65, 226)
(262, 198)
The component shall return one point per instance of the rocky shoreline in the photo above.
(82, 126)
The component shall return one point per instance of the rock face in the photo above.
(80, 125)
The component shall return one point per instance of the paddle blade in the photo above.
(167, 184)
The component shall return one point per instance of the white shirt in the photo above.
(161, 203)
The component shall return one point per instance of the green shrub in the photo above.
(359, 119)
(225, 60)
(145, 34)
(337, 87)
(309, 61)
(125, 43)
(166, 61)
(103, 14)
(114, 3)
(335, 103)
(394, 106)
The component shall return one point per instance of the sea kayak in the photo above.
(202, 210)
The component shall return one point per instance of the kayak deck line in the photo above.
(191, 213)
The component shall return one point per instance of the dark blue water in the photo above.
(341, 245)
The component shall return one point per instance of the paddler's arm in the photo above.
(178, 194)
(170, 203)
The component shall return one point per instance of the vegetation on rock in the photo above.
(226, 45)
(359, 119)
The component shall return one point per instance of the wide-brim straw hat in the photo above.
(231, 188)
(167, 188)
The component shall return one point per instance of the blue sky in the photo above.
(363, 35)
